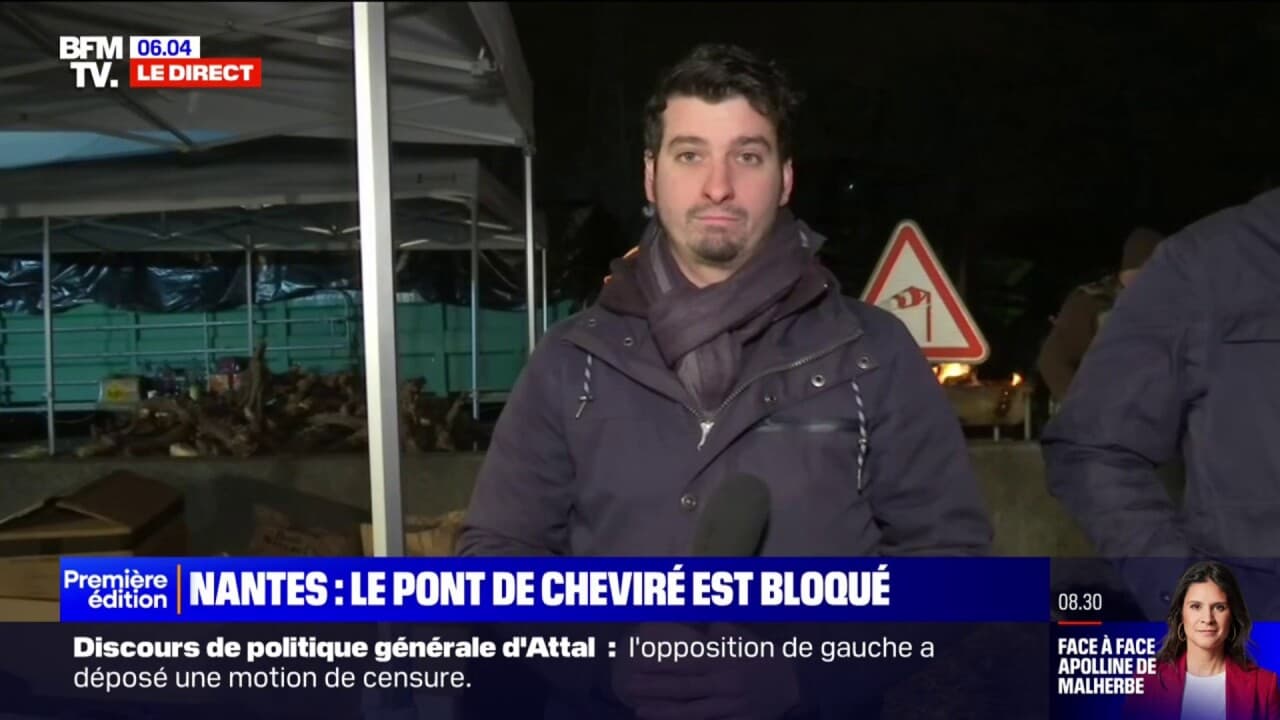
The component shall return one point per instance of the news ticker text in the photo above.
(1093, 663)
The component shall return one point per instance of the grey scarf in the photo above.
(700, 332)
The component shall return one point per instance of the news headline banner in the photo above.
(310, 671)
(316, 590)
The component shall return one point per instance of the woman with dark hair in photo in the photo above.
(1204, 670)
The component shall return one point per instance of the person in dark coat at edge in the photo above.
(1185, 366)
(723, 346)
(1084, 312)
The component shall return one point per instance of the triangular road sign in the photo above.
(910, 283)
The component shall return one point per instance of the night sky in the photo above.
(1027, 140)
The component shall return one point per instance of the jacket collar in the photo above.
(625, 342)
(814, 343)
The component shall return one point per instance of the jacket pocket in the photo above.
(1244, 401)
(791, 424)
(822, 449)
(810, 463)
(1260, 325)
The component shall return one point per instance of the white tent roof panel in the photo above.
(457, 73)
(156, 184)
(278, 203)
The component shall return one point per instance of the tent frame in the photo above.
(374, 116)
(497, 237)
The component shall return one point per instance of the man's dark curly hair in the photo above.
(714, 72)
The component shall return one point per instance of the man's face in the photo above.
(717, 181)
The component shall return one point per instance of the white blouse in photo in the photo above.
(1205, 698)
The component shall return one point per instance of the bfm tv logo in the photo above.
(154, 62)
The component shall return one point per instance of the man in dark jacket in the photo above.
(1084, 312)
(1185, 365)
(722, 346)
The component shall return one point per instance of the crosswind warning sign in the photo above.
(910, 283)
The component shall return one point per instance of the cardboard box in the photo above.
(120, 514)
(423, 536)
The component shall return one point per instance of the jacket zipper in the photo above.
(706, 423)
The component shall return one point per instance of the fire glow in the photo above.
(963, 374)
(953, 373)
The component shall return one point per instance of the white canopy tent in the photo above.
(257, 204)
(249, 182)
(455, 71)
(430, 73)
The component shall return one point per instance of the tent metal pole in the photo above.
(475, 304)
(530, 302)
(377, 259)
(48, 339)
(248, 296)
(545, 310)
(208, 349)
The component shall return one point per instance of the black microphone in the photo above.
(734, 518)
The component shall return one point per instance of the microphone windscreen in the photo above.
(733, 519)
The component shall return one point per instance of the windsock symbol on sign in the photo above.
(910, 283)
(909, 298)
(914, 297)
